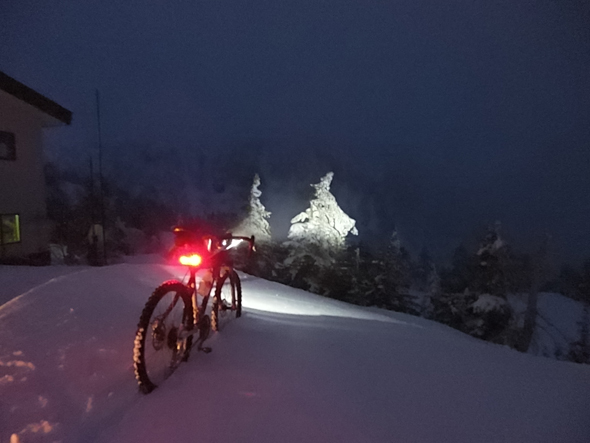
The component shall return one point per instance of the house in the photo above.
(24, 227)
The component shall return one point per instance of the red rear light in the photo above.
(190, 260)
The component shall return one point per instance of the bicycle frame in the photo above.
(217, 262)
(199, 309)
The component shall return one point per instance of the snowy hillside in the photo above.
(295, 368)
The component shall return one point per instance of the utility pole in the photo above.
(101, 182)
(93, 252)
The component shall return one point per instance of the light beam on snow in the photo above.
(261, 295)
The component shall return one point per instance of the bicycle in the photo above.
(172, 316)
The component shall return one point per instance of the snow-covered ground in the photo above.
(295, 368)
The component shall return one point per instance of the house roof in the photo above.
(33, 98)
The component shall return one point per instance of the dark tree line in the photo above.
(133, 222)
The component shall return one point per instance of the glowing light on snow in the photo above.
(190, 260)
(262, 296)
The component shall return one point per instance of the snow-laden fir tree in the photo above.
(493, 313)
(317, 237)
(256, 222)
(321, 230)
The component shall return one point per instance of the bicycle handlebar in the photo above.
(212, 241)
(231, 238)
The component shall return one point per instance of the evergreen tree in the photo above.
(340, 280)
(317, 236)
(455, 310)
(568, 281)
(492, 255)
(397, 269)
(434, 286)
(433, 290)
(474, 291)
(367, 289)
(420, 271)
(493, 314)
(324, 224)
(461, 275)
(256, 221)
(393, 280)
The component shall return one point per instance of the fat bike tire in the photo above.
(227, 303)
(158, 347)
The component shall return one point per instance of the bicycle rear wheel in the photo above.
(228, 300)
(159, 347)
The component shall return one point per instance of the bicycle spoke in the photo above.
(161, 342)
(161, 348)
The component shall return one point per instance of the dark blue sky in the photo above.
(439, 116)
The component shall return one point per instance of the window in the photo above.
(9, 229)
(7, 146)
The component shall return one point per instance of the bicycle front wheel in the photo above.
(159, 343)
(228, 300)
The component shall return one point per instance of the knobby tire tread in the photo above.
(143, 327)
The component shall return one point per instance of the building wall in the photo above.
(22, 182)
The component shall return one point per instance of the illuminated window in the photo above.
(9, 229)
(7, 146)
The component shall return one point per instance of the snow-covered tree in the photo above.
(492, 312)
(321, 230)
(256, 221)
(492, 263)
(317, 241)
